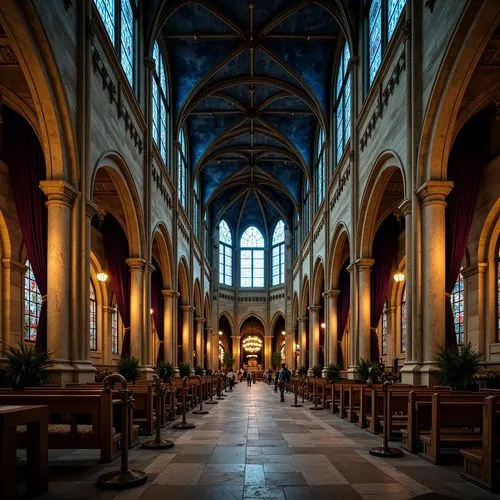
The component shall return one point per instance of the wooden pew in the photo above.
(482, 465)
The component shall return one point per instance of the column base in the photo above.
(352, 373)
(310, 372)
(146, 373)
(84, 372)
(410, 373)
(429, 374)
(61, 373)
(323, 373)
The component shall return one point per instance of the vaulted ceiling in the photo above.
(251, 82)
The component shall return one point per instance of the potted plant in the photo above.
(129, 368)
(302, 370)
(332, 373)
(165, 370)
(198, 370)
(184, 369)
(458, 366)
(209, 371)
(276, 359)
(26, 366)
(317, 369)
(228, 359)
(368, 371)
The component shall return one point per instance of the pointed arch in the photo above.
(275, 318)
(339, 250)
(318, 281)
(162, 251)
(197, 302)
(183, 282)
(229, 319)
(304, 298)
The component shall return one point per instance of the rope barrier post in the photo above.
(158, 443)
(124, 478)
(303, 384)
(201, 411)
(384, 450)
(316, 407)
(211, 402)
(295, 404)
(184, 424)
(219, 393)
(171, 391)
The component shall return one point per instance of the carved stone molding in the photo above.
(183, 230)
(430, 5)
(160, 184)
(341, 183)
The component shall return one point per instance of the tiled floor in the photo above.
(252, 446)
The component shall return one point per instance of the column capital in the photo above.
(13, 264)
(479, 268)
(135, 263)
(199, 319)
(350, 268)
(187, 308)
(302, 319)
(58, 192)
(149, 267)
(91, 208)
(434, 192)
(209, 330)
(108, 309)
(331, 293)
(365, 264)
(353, 63)
(170, 293)
(316, 308)
(405, 207)
(150, 63)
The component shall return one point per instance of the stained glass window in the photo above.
(225, 254)
(296, 235)
(343, 103)
(93, 319)
(127, 40)
(384, 331)
(196, 208)
(182, 169)
(32, 304)
(404, 321)
(114, 329)
(394, 9)
(306, 207)
(457, 305)
(160, 103)
(252, 258)
(278, 254)
(320, 167)
(106, 10)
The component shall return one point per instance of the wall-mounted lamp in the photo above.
(220, 332)
(283, 332)
(399, 277)
(102, 277)
(323, 325)
(151, 311)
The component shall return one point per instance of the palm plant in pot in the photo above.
(184, 369)
(332, 373)
(302, 370)
(317, 369)
(128, 366)
(457, 366)
(165, 370)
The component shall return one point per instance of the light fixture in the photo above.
(220, 332)
(151, 311)
(323, 325)
(102, 277)
(399, 277)
(283, 332)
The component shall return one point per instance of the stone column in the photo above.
(289, 349)
(236, 352)
(209, 348)
(148, 358)
(187, 334)
(107, 318)
(12, 295)
(60, 196)
(169, 342)
(475, 305)
(302, 361)
(432, 195)
(364, 307)
(268, 349)
(214, 350)
(331, 333)
(353, 354)
(200, 321)
(136, 266)
(313, 336)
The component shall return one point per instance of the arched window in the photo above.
(252, 258)
(225, 254)
(320, 167)
(384, 331)
(93, 319)
(404, 319)
(278, 254)
(160, 103)
(114, 329)
(182, 169)
(296, 235)
(196, 207)
(32, 304)
(343, 103)
(306, 207)
(383, 18)
(119, 19)
(457, 304)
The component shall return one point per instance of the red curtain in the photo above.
(467, 159)
(24, 156)
(343, 305)
(385, 251)
(116, 253)
(157, 306)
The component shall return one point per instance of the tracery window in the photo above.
(404, 319)
(306, 207)
(119, 19)
(320, 167)
(384, 331)
(160, 107)
(383, 18)
(296, 235)
(343, 103)
(196, 207)
(225, 254)
(114, 329)
(93, 319)
(457, 305)
(182, 169)
(252, 258)
(32, 304)
(278, 254)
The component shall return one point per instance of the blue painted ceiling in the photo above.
(251, 84)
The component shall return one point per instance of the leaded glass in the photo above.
(278, 254)
(32, 304)
(225, 233)
(127, 40)
(384, 332)
(404, 320)
(252, 238)
(251, 258)
(306, 206)
(343, 101)
(160, 103)
(114, 329)
(457, 305)
(375, 38)
(394, 9)
(225, 254)
(106, 10)
(182, 169)
(93, 319)
(320, 167)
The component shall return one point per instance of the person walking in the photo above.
(283, 379)
(249, 378)
(230, 377)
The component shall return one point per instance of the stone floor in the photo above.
(252, 446)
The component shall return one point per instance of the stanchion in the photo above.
(316, 407)
(171, 391)
(211, 402)
(201, 411)
(184, 424)
(124, 478)
(158, 443)
(219, 393)
(295, 404)
(303, 384)
(384, 450)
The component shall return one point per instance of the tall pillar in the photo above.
(432, 195)
(353, 355)
(289, 349)
(209, 348)
(12, 295)
(236, 352)
(331, 333)
(364, 307)
(107, 318)
(136, 266)
(187, 334)
(200, 321)
(169, 342)
(314, 327)
(268, 349)
(214, 349)
(60, 196)
(475, 305)
(302, 361)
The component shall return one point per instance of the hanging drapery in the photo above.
(343, 305)
(157, 306)
(466, 162)
(24, 156)
(385, 251)
(116, 254)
